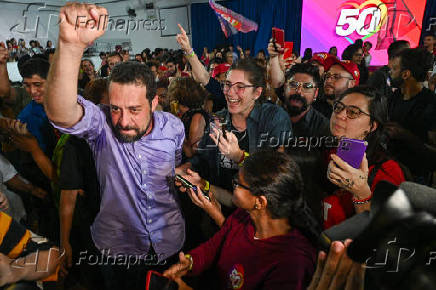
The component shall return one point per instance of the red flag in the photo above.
(232, 22)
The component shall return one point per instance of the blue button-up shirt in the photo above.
(138, 207)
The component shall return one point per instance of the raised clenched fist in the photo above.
(81, 24)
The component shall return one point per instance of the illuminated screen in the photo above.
(339, 23)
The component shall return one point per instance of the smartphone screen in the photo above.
(223, 129)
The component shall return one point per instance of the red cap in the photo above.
(324, 59)
(219, 69)
(162, 68)
(320, 57)
(349, 66)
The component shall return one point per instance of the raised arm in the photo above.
(199, 73)
(80, 25)
(276, 73)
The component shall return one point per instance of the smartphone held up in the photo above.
(352, 151)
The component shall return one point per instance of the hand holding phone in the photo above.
(188, 185)
(185, 183)
(352, 151)
(219, 126)
(278, 36)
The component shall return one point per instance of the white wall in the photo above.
(141, 38)
(38, 21)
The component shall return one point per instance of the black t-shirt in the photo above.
(104, 71)
(78, 171)
(313, 124)
(322, 106)
(228, 167)
(417, 115)
(84, 81)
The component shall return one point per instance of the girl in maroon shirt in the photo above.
(268, 242)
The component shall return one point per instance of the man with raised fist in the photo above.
(140, 225)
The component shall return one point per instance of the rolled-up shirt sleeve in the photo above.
(91, 124)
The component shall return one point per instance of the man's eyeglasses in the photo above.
(335, 77)
(239, 87)
(305, 87)
(236, 183)
(352, 112)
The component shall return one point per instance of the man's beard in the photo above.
(295, 110)
(397, 82)
(330, 97)
(130, 138)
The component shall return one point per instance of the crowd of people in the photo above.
(18, 49)
(218, 170)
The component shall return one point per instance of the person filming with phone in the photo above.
(269, 241)
(360, 114)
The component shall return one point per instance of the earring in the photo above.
(256, 207)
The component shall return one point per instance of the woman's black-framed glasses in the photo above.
(236, 183)
(353, 112)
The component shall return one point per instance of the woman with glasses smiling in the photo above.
(360, 113)
(269, 241)
(244, 127)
